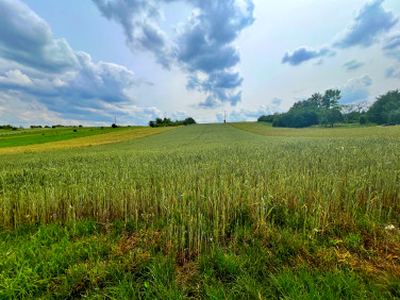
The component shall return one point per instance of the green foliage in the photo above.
(268, 118)
(384, 105)
(8, 127)
(394, 117)
(318, 109)
(168, 122)
(296, 119)
(331, 116)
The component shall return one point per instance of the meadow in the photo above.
(237, 211)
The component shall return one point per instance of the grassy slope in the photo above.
(38, 136)
(266, 129)
(204, 211)
(66, 140)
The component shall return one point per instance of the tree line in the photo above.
(168, 122)
(324, 109)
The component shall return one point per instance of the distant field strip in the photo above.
(340, 132)
(93, 140)
(27, 137)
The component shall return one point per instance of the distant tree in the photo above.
(363, 120)
(189, 121)
(331, 99)
(267, 118)
(114, 125)
(168, 122)
(159, 122)
(331, 116)
(385, 104)
(317, 109)
(296, 119)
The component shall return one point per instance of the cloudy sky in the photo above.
(87, 61)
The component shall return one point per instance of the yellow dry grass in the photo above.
(94, 140)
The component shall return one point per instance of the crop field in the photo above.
(220, 211)
(68, 138)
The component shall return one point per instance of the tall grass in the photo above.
(205, 211)
(204, 182)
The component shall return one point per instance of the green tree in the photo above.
(331, 99)
(394, 117)
(385, 104)
(331, 116)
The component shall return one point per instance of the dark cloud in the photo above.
(203, 47)
(304, 54)
(138, 17)
(391, 47)
(221, 86)
(353, 65)
(368, 25)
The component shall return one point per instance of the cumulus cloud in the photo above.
(14, 78)
(220, 85)
(391, 47)
(241, 115)
(304, 54)
(28, 40)
(356, 89)
(203, 46)
(368, 25)
(138, 19)
(371, 22)
(353, 65)
(41, 69)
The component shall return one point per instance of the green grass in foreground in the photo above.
(121, 261)
(204, 211)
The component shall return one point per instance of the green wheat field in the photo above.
(219, 211)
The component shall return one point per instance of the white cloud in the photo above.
(47, 71)
(356, 89)
(15, 78)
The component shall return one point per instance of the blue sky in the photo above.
(87, 61)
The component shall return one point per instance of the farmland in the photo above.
(204, 211)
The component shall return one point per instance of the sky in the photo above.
(88, 62)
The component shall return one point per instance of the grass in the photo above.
(67, 140)
(344, 131)
(38, 136)
(205, 211)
